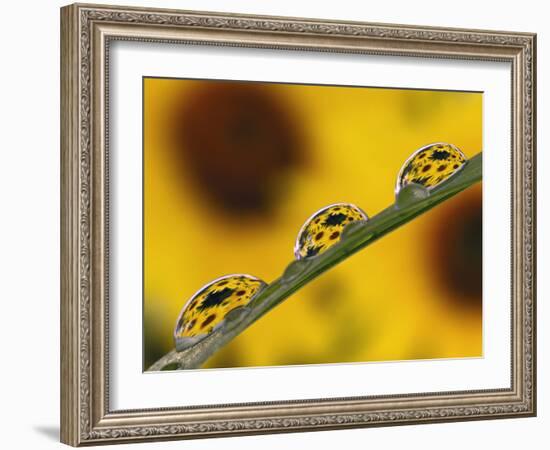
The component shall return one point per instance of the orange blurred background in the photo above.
(233, 169)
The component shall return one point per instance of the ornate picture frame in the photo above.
(87, 31)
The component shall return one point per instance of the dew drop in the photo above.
(294, 269)
(236, 315)
(411, 193)
(430, 165)
(352, 228)
(209, 308)
(324, 229)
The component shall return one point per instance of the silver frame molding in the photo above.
(86, 31)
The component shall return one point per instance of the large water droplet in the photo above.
(324, 228)
(430, 165)
(208, 308)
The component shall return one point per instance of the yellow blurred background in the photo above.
(233, 169)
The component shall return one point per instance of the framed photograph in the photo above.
(276, 224)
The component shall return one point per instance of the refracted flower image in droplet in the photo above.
(324, 229)
(430, 165)
(207, 309)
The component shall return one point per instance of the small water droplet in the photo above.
(352, 228)
(411, 193)
(294, 269)
(324, 228)
(430, 165)
(211, 305)
(236, 315)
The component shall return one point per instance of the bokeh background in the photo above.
(233, 169)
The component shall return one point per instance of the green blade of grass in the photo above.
(299, 273)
